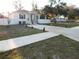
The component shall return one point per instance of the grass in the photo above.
(59, 47)
(14, 31)
(67, 25)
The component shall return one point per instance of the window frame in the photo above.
(22, 16)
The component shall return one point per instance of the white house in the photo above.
(20, 17)
(23, 17)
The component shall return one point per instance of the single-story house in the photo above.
(21, 17)
(24, 17)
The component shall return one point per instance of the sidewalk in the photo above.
(22, 41)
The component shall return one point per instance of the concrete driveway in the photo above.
(72, 33)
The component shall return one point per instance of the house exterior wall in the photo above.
(14, 18)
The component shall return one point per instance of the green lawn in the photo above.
(67, 25)
(59, 47)
(16, 31)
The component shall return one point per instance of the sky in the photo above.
(8, 5)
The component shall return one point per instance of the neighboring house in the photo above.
(60, 18)
(20, 17)
(3, 20)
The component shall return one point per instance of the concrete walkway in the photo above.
(72, 33)
(22, 41)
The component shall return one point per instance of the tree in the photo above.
(34, 7)
(53, 2)
(18, 5)
(71, 12)
(76, 13)
(59, 9)
(62, 9)
(49, 11)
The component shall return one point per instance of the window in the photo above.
(21, 16)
